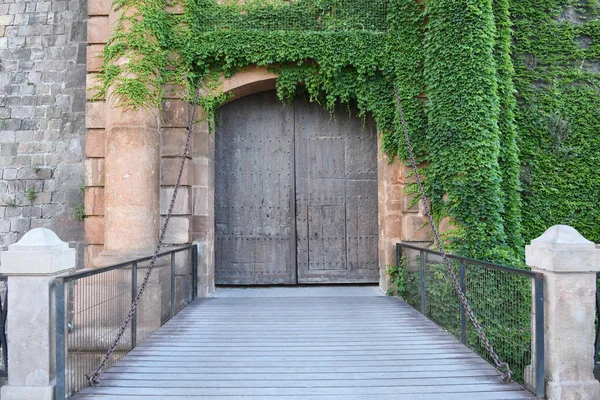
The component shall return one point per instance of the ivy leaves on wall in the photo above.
(452, 66)
(556, 56)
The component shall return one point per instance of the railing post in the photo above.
(569, 264)
(3, 310)
(59, 287)
(172, 284)
(134, 275)
(463, 288)
(398, 254)
(597, 342)
(422, 273)
(32, 265)
(540, 373)
(194, 271)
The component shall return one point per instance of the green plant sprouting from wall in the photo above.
(30, 194)
(79, 212)
(450, 60)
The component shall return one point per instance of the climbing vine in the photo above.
(451, 62)
(556, 56)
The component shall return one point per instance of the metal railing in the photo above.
(91, 305)
(597, 342)
(508, 303)
(3, 311)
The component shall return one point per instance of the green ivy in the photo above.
(557, 64)
(451, 62)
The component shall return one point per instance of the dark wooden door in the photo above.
(295, 194)
(336, 196)
(254, 192)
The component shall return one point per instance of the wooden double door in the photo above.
(295, 194)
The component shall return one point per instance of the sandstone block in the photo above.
(94, 57)
(170, 171)
(202, 227)
(201, 201)
(203, 143)
(172, 141)
(94, 201)
(93, 84)
(94, 172)
(182, 202)
(415, 228)
(95, 114)
(94, 230)
(202, 172)
(392, 226)
(176, 114)
(98, 31)
(98, 7)
(95, 143)
(173, 92)
(90, 252)
(178, 231)
(119, 117)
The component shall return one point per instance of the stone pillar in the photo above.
(203, 204)
(132, 178)
(31, 265)
(569, 263)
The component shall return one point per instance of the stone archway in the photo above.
(111, 217)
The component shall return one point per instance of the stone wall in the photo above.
(42, 117)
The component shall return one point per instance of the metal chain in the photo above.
(502, 367)
(94, 378)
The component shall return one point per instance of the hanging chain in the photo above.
(502, 367)
(94, 378)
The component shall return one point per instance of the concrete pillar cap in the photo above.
(39, 239)
(562, 249)
(562, 236)
(39, 252)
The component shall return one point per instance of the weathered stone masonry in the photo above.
(42, 112)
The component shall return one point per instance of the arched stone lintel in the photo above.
(251, 79)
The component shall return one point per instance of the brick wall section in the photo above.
(42, 112)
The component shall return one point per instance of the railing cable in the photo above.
(502, 367)
(94, 378)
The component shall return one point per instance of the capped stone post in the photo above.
(569, 263)
(31, 265)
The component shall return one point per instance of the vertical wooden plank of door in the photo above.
(361, 201)
(320, 216)
(253, 162)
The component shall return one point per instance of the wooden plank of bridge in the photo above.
(330, 345)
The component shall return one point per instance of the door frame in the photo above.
(398, 219)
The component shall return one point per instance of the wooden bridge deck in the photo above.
(329, 345)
